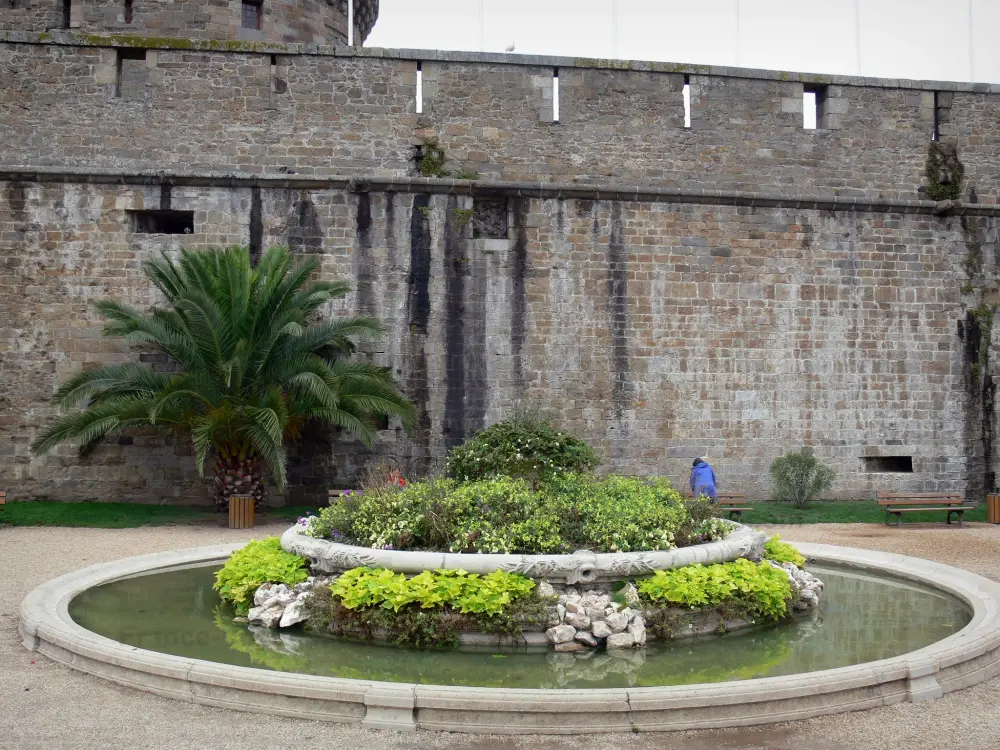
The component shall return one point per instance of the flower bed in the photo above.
(505, 515)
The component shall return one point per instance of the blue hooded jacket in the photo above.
(703, 480)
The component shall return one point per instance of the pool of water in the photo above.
(862, 618)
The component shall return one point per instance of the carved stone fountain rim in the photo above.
(580, 567)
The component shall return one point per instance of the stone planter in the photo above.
(581, 567)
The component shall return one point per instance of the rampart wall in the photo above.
(739, 288)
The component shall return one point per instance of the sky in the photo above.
(950, 40)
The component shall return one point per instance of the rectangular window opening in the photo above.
(489, 219)
(420, 88)
(687, 101)
(555, 95)
(381, 422)
(889, 464)
(253, 15)
(128, 11)
(162, 222)
(67, 12)
(813, 106)
(123, 55)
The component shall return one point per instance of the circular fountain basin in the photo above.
(542, 693)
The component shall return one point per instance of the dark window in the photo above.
(66, 12)
(253, 14)
(130, 70)
(489, 220)
(381, 422)
(889, 464)
(128, 11)
(162, 222)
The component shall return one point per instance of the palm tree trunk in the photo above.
(236, 477)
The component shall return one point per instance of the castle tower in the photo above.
(285, 21)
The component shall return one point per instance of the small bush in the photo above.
(759, 588)
(260, 561)
(782, 552)
(800, 478)
(520, 448)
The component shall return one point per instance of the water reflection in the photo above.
(862, 618)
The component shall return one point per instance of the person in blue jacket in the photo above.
(703, 480)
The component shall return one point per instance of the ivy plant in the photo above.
(468, 593)
(260, 561)
(782, 552)
(760, 588)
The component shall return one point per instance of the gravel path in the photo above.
(46, 705)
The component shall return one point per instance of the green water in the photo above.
(862, 618)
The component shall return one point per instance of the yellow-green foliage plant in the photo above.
(782, 552)
(259, 562)
(760, 588)
(468, 593)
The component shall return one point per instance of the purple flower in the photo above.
(388, 546)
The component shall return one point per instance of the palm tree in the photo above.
(252, 364)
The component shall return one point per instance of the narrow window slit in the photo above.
(687, 101)
(67, 12)
(420, 88)
(128, 11)
(814, 107)
(555, 95)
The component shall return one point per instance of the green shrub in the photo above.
(781, 552)
(468, 593)
(800, 478)
(520, 448)
(616, 513)
(759, 588)
(260, 561)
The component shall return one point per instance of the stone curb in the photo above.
(966, 658)
(578, 568)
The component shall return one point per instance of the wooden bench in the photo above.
(734, 503)
(332, 495)
(898, 503)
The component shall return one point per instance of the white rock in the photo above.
(294, 613)
(600, 629)
(575, 607)
(617, 622)
(595, 613)
(620, 640)
(254, 614)
(554, 618)
(268, 617)
(569, 646)
(578, 621)
(639, 621)
(545, 589)
(586, 638)
(263, 593)
(561, 611)
(281, 600)
(560, 634)
(302, 587)
(629, 612)
(638, 633)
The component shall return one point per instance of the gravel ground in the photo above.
(46, 705)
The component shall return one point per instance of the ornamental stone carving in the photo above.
(581, 567)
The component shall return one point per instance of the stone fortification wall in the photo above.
(284, 21)
(656, 330)
(323, 114)
(740, 288)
